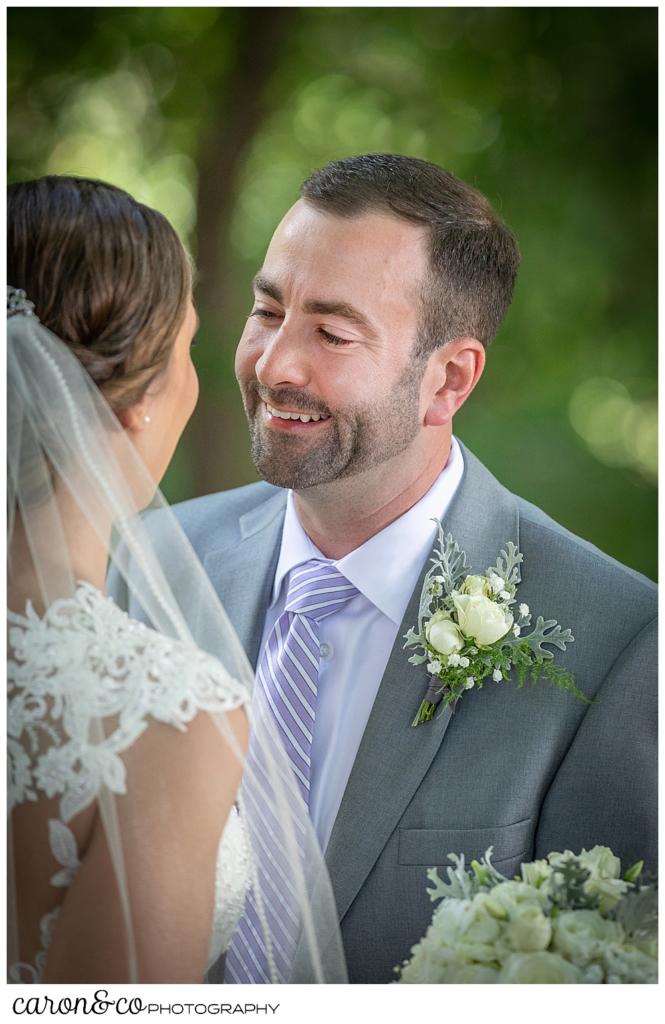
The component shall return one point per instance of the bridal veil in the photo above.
(70, 461)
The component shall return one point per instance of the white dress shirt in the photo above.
(356, 642)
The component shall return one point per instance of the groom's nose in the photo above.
(284, 359)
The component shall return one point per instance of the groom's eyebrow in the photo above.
(342, 309)
(332, 308)
(267, 287)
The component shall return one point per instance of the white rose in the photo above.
(605, 881)
(538, 969)
(442, 633)
(601, 862)
(508, 897)
(481, 619)
(465, 927)
(475, 585)
(481, 940)
(604, 869)
(449, 922)
(429, 963)
(581, 935)
(528, 930)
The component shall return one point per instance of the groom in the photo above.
(379, 294)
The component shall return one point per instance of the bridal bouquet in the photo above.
(568, 919)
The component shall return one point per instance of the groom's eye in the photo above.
(264, 314)
(333, 339)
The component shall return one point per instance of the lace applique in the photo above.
(86, 660)
(63, 847)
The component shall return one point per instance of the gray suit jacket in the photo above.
(525, 771)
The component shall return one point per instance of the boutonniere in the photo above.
(469, 630)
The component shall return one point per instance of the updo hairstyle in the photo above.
(108, 275)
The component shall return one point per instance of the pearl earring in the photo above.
(146, 419)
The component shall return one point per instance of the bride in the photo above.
(133, 845)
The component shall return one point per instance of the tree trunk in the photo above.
(217, 459)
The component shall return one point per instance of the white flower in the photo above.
(625, 965)
(464, 662)
(466, 927)
(459, 946)
(475, 585)
(507, 896)
(434, 666)
(582, 935)
(442, 633)
(496, 582)
(524, 610)
(454, 660)
(516, 630)
(536, 872)
(538, 969)
(497, 675)
(528, 930)
(604, 869)
(600, 862)
(481, 619)
(504, 595)
(470, 683)
(605, 881)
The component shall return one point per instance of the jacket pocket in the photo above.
(431, 846)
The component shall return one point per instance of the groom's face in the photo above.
(325, 362)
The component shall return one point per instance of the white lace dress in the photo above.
(85, 660)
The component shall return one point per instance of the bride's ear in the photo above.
(134, 419)
(456, 369)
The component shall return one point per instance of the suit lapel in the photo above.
(243, 575)
(393, 757)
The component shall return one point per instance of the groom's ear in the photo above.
(455, 370)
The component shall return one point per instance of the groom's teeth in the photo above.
(295, 415)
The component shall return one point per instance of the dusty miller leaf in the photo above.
(508, 565)
(548, 631)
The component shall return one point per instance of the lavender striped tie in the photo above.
(287, 677)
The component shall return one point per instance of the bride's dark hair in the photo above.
(108, 275)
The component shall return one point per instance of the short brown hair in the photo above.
(108, 275)
(473, 256)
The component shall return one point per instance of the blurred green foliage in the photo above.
(550, 112)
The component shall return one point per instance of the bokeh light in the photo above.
(216, 115)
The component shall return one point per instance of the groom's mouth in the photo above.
(292, 419)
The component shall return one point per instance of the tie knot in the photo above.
(317, 589)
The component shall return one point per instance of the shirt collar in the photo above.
(385, 569)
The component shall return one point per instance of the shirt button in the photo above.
(325, 650)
